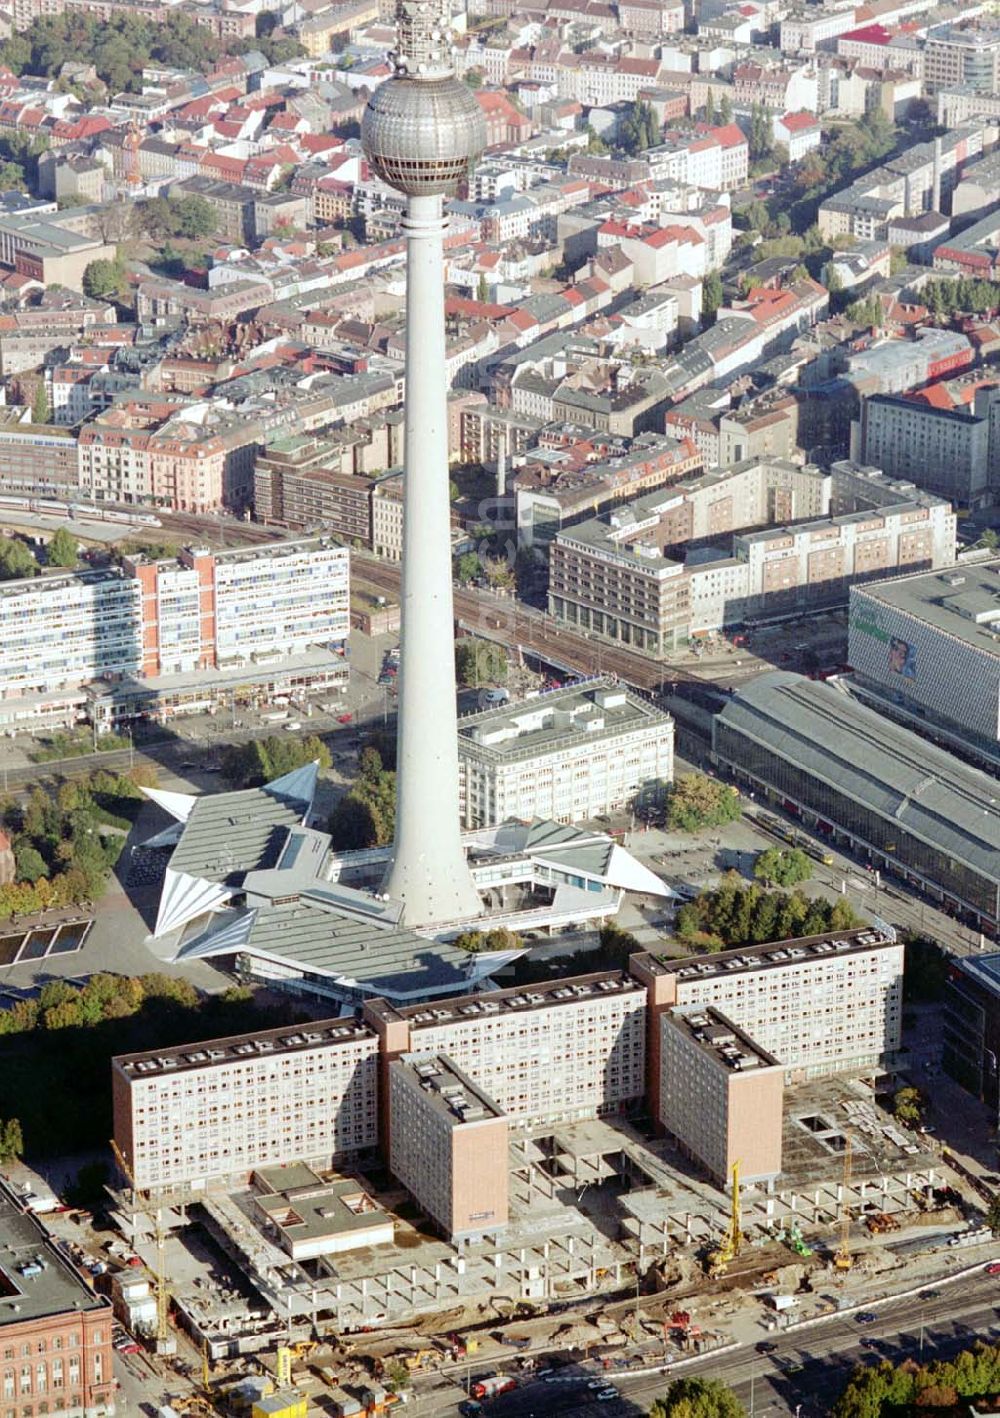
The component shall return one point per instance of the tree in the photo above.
(62, 548)
(989, 539)
(695, 802)
(993, 1215)
(11, 1141)
(40, 412)
(29, 862)
(469, 567)
(711, 297)
(498, 573)
(908, 1106)
(761, 140)
(778, 867)
(698, 1398)
(16, 561)
(639, 129)
(102, 279)
(500, 938)
(725, 110)
(709, 107)
(482, 288)
(479, 662)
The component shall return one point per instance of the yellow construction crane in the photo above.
(842, 1259)
(164, 1341)
(732, 1237)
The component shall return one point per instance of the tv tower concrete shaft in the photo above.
(428, 872)
(421, 131)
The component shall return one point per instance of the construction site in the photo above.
(593, 1205)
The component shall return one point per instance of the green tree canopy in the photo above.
(469, 566)
(189, 216)
(40, 411)
(908, 1105)
(103, 279)
(248, 765)
(737, 914)
(366, 816)
(778, 866)
(16, 561)
(62, 550)
(11, 1140)
(698, 1398)
(695, 802)
(712, 296)
(479, 662)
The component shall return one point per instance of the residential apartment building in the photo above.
(144, 630)
(624, 576)
(721, 1095)
(818, 1005)
(55, 1332)
(555, 492)
(185, 456)
(916, 639)
(549, 1053)
(921, 179)
(953, 454)
(448, 1146)
(211, 1113)
(568, 755)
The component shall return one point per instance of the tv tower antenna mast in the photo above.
(422, 131)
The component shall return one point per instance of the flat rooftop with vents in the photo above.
(768, 957)
(36, 1282)
(963, 602)
(242, 1046)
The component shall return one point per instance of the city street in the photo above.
(808, 1367)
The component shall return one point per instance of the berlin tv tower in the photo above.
(422, 131)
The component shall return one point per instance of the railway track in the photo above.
(515, 625)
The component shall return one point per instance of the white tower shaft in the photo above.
(428, 871)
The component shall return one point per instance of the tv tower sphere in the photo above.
(422, 131)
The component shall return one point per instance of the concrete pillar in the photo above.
(427, 869)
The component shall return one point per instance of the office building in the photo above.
(205, 1114)
(448, 1146)
(931, 643)
(568, 755)
(962, 56)
(911, 808)
(302, 482)
(971, 1043)
(155, 638)
(55, 1332)
(819, 1005)
(549, 1053)
(721, 1095)
(952, 453)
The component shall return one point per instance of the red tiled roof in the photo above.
(799, 122)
